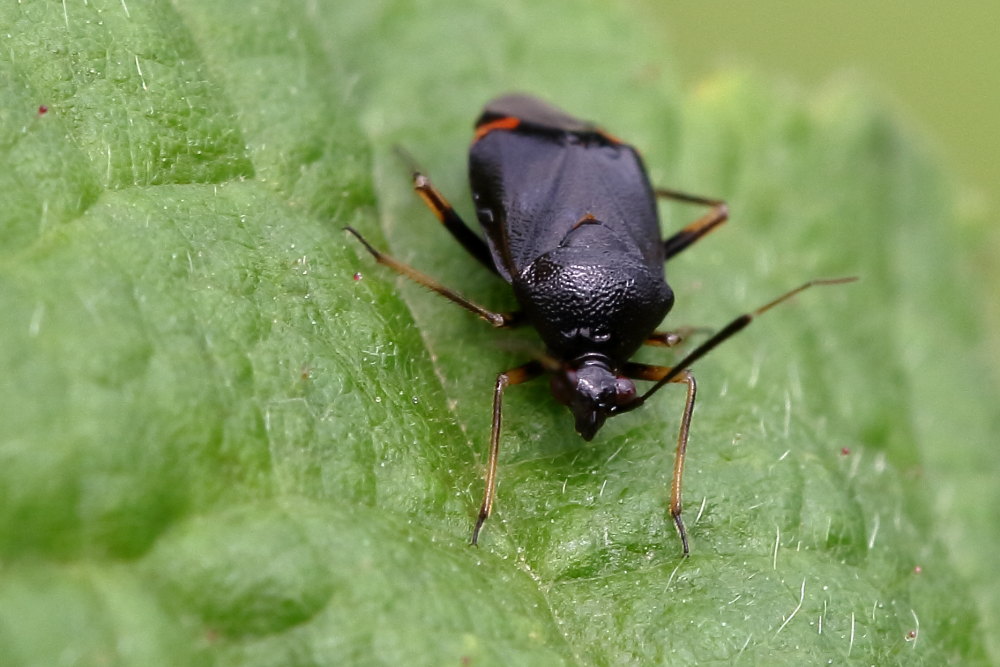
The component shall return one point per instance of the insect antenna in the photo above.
(729, 330)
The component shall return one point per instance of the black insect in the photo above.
(570, 221)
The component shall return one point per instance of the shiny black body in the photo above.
(571, 223)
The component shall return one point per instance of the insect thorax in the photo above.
(581, 301)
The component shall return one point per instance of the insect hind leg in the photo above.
(680, 241)
(446, 214)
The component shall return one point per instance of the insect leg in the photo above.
(496, 319)
(656, 373)
(673, 338)
(522, 373)
(446, 215)
(694, 231)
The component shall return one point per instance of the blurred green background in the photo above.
(940, 61)
(937, 64)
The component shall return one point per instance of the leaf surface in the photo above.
(221, 446)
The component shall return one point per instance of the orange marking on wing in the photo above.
(610, 137)
(585, 220)
(506, 123)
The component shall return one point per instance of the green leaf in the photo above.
(221, 446)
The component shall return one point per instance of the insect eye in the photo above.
(624, 391)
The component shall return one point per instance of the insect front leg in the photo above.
(654, 374)
(523, 373)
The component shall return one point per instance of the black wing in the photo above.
(533, 111)
(534, 183)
